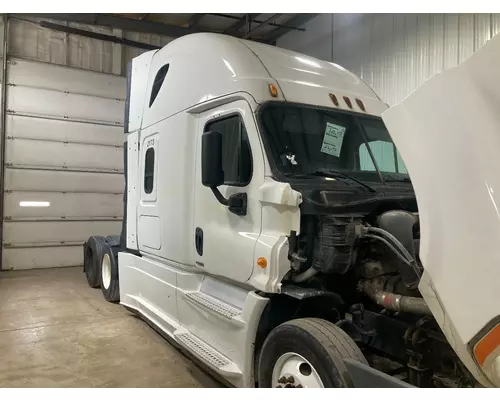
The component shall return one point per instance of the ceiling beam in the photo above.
(98, 36)
(296, 21)
(233, 29)
(263, 23)
(195, 19)
(119, 23)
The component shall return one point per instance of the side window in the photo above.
(387, 157)
(236, 155)
(159, 78)
(149, 170)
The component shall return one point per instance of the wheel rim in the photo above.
(294, 371)
(106, 271)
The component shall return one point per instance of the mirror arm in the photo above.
(218, 195)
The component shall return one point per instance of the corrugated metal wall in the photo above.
(27, 39)
(394, 53)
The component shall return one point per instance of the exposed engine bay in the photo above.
(367, 253)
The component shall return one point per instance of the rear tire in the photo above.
(113, 240)
(109, 275)
(91, 261)
(307, 352)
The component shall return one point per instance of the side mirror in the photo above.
(212, 174)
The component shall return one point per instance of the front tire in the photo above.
(109, 275)
(308, 353)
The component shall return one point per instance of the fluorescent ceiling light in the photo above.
(34, 203)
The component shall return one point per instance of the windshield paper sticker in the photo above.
(332, 141)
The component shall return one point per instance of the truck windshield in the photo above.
(304, 141)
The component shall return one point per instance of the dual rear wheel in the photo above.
(101, 265)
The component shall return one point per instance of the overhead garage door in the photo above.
(64, 162)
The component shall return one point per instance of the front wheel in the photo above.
(307, 353)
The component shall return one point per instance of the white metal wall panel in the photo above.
(482, 29)
(436, 43)
(37, 180)
(22, 127)
(394, 53)
(86, 206)
(63, 156)
(48, 103)
(339, 24)
(1, 37)
(317, 40)
(467, 34)
(451, 40)
(55, 233)
(495, 24)
(42, 257)
(45, 76)
(400, 61)
(64, 150)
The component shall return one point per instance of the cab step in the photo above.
(206, 353)
(213, 304)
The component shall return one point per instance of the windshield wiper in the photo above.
(392, 178)
(337, 174)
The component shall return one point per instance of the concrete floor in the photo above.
(55, 331)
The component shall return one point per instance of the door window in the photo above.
(149, 170)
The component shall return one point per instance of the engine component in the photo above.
(372, 269)
(397, 249)
(304, 276)
(392, 301)
(400, 224)
(419, 373)
(331, 252)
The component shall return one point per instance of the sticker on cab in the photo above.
(332, 141)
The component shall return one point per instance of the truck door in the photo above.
(149, 227)
(224, 241)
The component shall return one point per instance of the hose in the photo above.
(388, 244)
(409, 259)
(304, 276)
(393, 239)
(395, 302)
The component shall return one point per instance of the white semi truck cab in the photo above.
(271, 228)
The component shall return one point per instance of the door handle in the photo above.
(198, 241)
